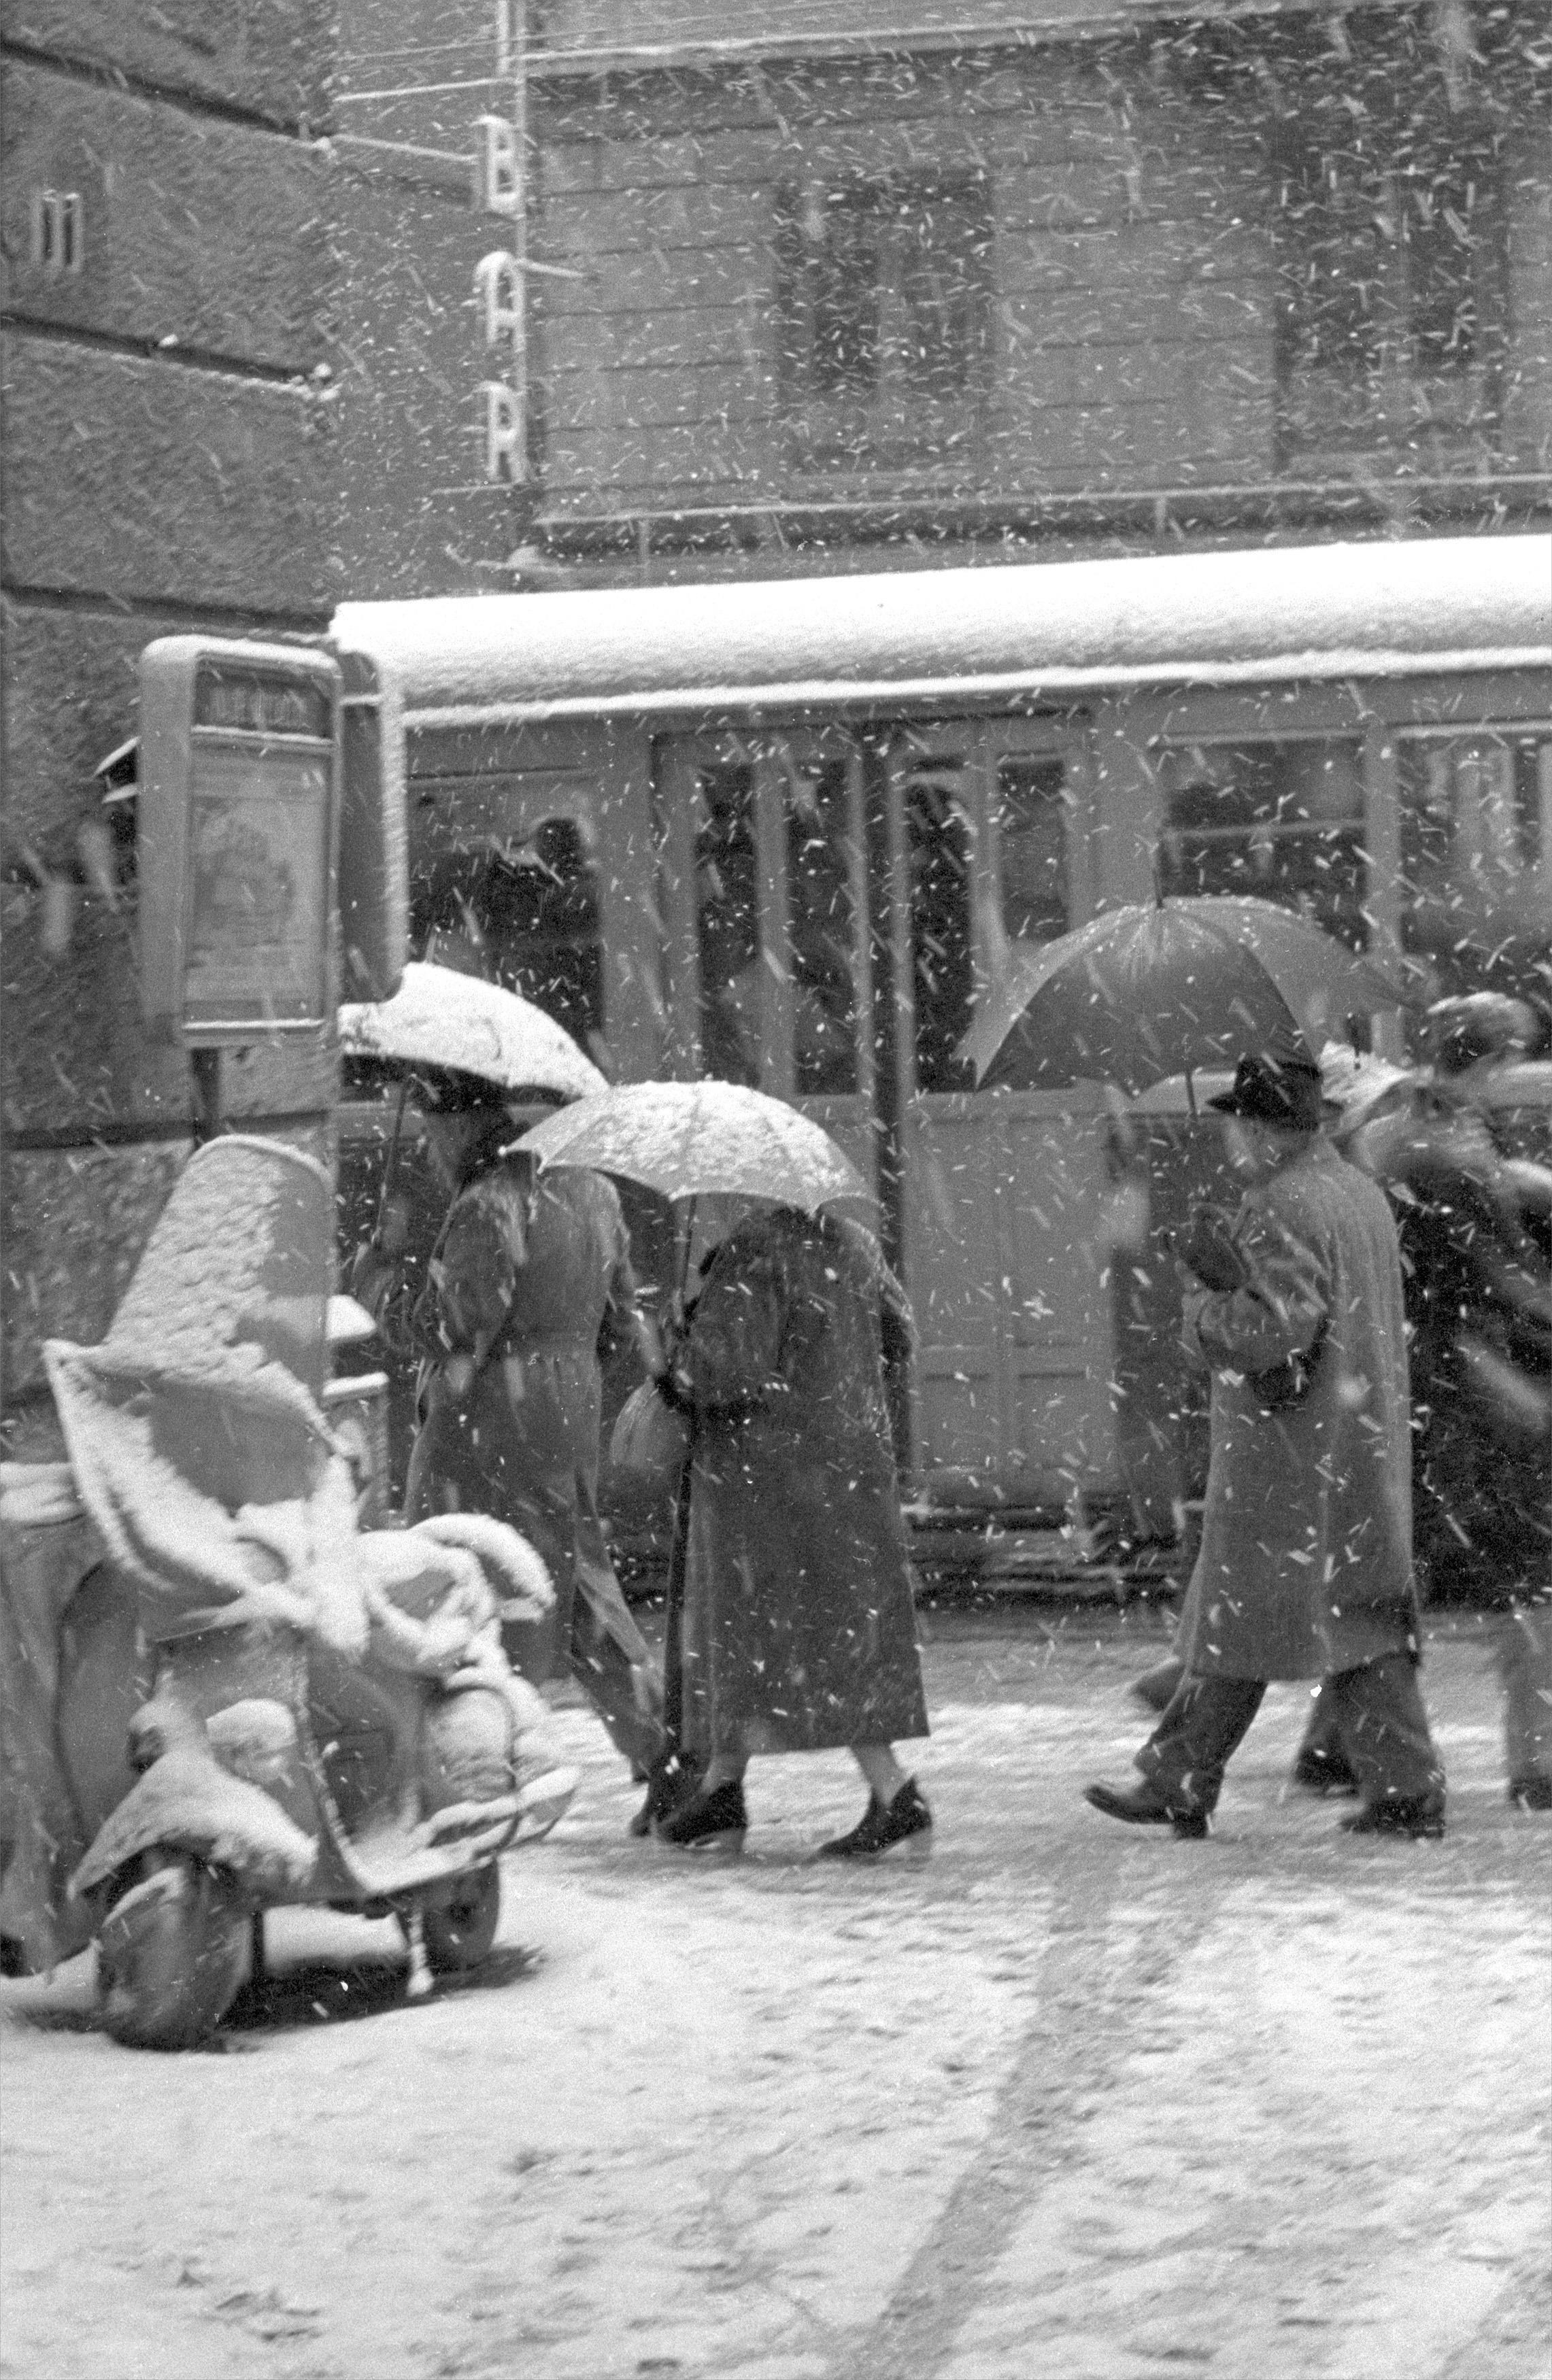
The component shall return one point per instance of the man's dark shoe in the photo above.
(1323, 1772)
(673, 1780)
(1138, 1805)
(1419, 1821)
(883, 1824)
(1533, 1793)
(716, 1821)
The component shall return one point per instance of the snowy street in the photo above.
(1064, 2099)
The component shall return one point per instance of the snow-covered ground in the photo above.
(1063, 2100)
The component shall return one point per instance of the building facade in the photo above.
(861, 286)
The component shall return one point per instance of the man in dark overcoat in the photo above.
(1305, 1564)
(530, 1288)
(792, 1624)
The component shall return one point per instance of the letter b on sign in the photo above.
(498, 171)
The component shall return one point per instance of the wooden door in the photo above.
(1004, 1194)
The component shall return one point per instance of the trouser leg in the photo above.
(612, 1660)
(1184, 1758)
(1385, 1733)
(1157, 1687)
(1321, 1761)
(1525, 1658)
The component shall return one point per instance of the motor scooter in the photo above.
(330, 1720)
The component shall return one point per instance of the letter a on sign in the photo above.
(498, 177)
(504, 433)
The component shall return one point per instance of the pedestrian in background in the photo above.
(1305, 1564)
(791, 1626)
(1478, 1293)
(531, 1288)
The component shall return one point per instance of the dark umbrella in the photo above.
(1143, 993)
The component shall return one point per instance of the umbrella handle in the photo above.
(392, 1167)
(685, 1263)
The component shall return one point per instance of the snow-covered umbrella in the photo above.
(1143, 993)
(439, 1017)
(690, 1140)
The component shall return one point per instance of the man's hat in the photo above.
(1284, 1091)
(1464, 1030)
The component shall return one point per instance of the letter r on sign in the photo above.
(504, 458)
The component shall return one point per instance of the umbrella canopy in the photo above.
(439, 1017)
(690, 1140)
(1143, 993)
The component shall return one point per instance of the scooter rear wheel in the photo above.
(170, 1954)
(460, 1920)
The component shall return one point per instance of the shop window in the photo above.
(1281, 821)
(821, 911)
(885, 305)
(939, 846)
(727, 923)
(1031, 821)
(1477, 853)
(1391, 287)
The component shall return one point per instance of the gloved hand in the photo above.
(1207, 1249)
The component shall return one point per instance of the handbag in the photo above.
(647, 1444)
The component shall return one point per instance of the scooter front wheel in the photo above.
(460, 1920)
(170, 1954)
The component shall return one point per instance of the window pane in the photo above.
(847, 292)
(1032, 837)
(940, 847)
(523, 914)
(822, 931)
(539, 912)
(1442, 238)
(1476, 825)
(1281, 821)
(727, 921)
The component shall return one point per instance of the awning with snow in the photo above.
(1015, 631)
(593, 35)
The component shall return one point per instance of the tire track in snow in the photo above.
(1117, 1934)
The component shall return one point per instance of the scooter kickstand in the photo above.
(419, 1981)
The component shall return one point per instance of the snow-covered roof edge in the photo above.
(1304, 612)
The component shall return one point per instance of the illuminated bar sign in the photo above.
(238, 810)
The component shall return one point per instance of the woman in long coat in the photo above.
(531, 1286)
(793, 1628)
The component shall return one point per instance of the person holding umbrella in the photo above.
(530, 1288)
(790, 1620)
(1479, 1308)
(1305, 1564)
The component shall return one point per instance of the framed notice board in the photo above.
(237, 837)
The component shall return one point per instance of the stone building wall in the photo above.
(170, 464)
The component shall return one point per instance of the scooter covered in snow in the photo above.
(330, 1720)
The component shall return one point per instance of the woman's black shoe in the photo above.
(673, 1781)
(715, 1821)
(883, 1824)
(1421, 1821)
(1323, 1772)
